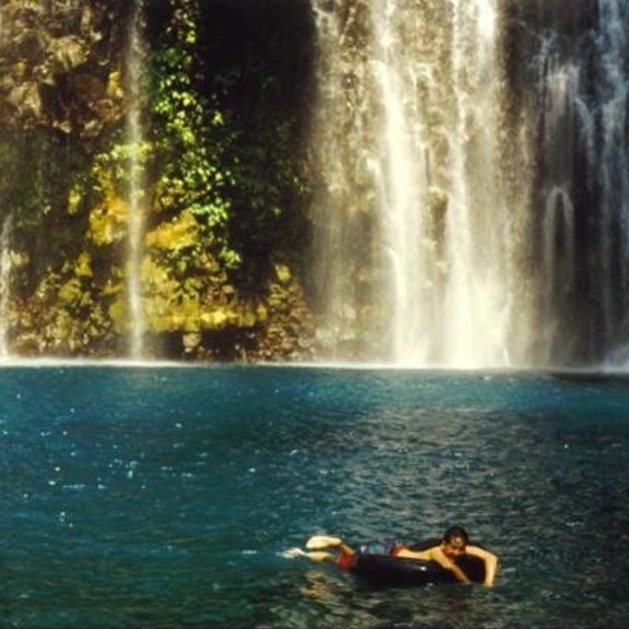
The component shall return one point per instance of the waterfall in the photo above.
(583, 84)
(611, 168)
(415, 232)
(561, 110)
(473, 201)
(134, 141)
(5, 285)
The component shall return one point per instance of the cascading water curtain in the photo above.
(419, 227)
(612, 169)
(583, 84)
(473, 198)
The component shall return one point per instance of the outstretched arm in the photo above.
(435, 554)
(445, 562)
(491, 562)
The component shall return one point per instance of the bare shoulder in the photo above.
(409, 553)
(478, 551)
(436, 554)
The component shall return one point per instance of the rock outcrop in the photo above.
(60, 64)
(65, 208)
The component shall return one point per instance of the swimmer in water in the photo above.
(453, 545)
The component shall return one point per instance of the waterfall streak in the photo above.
(134, 142)
(419, 95)
(5, 285)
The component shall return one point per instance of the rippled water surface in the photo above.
(163, 497)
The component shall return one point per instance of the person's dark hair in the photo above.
(456, 531)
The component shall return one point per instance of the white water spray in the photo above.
(402, 183)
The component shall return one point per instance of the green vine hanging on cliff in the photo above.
(191, 137)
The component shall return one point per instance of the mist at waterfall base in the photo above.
(164, 496)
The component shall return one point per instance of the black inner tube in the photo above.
(388, 570)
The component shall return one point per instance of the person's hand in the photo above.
(292, 553)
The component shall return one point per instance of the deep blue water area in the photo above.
(164, 496)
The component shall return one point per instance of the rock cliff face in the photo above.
(61, 64)
(66, 213)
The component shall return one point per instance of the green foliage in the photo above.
(229, 101)
(39, 172)
(258, 62)
(191, 137)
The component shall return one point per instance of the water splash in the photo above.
(135, 59)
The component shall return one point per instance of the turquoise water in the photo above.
(163, 497)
